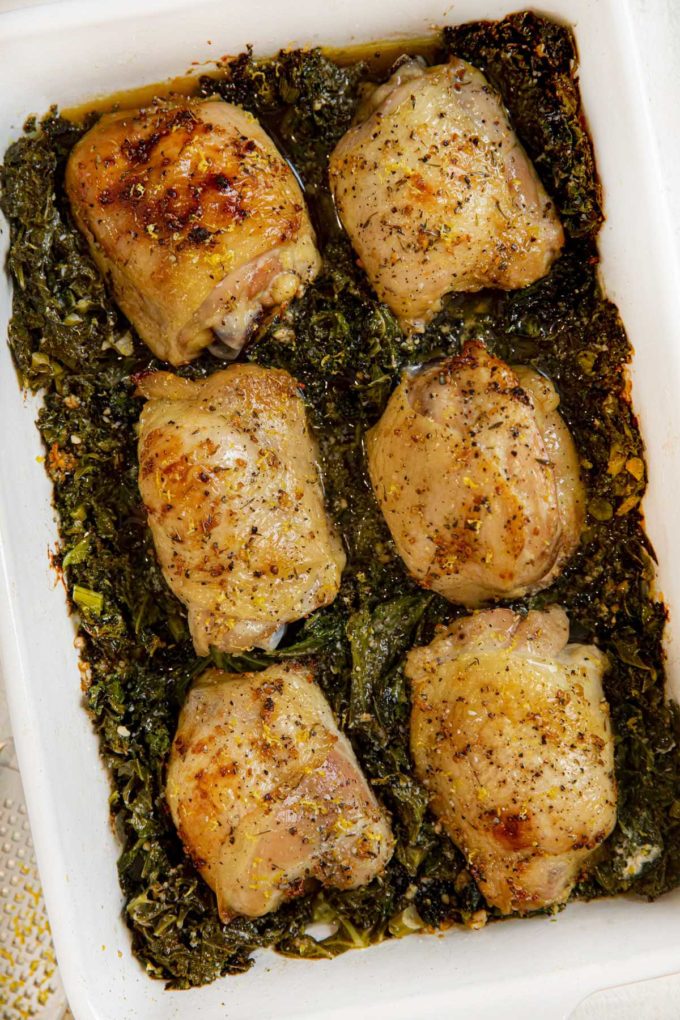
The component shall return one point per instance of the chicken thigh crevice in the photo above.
(195, 218)
(510, 734)
(437, 194)
(266, 793)
(478, 478)
(229, 476)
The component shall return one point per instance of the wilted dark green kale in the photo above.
(70, 342)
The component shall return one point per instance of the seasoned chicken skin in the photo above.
(267, 794)
(437, 194)
(478, 478)
(196, 219)
(510, 734)
(229, 478)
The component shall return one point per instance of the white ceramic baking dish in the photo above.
(72, 51)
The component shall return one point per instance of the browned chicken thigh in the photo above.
(478, 478)
(266, 793)
(230, 481)
(437, 194)
(510, 734)
(195, 218)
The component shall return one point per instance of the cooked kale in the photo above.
(70, 342)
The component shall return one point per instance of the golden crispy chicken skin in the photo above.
(195, 218)
(437, 194)
(267, 794)
(510, 734)
(478, 478)
(231, 485)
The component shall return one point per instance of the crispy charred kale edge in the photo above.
(70, 343)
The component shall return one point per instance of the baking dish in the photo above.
(67, 53)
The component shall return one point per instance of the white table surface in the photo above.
(658, 33)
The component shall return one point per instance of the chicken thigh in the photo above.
(267, 794)
(437, 194)
(229, 478)
(195, 218)
(510, 734)
(478, 478)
